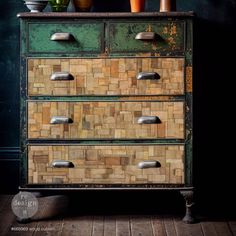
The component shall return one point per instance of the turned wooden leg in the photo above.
(188, 197)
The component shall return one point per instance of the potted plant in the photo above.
(59, 5)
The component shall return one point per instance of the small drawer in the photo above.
(113, 76)
(64, 38)
(115, 164)
(105, 120)
(159, 37)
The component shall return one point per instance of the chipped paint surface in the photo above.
(189, 79)
(87, 37)
(169, 36)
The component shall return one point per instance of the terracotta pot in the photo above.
(167, 5)
(82, 5)
(137, 5)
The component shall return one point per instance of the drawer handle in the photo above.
(61, 76)
(62, 164)
(149, 120)
(148, 76)
(62, 37)
(146, 36)
(149, 164)
(60, 120)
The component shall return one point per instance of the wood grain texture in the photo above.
(106, 164)
(141, 226)
(78, 226)
(106, 76)
(183, 229)
(75, 223)
(123, 226)
(105, 120)
(189, 79)
(158, 226)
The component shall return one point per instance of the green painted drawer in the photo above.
(169, 37)
(86, 37)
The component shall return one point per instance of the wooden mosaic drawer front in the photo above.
(107, 164)
(119, 76)
(66, 37)
(118, 120)
(146, 37)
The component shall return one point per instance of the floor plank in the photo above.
(7, 216)
(222, 228)
(183, 229)
(158, 226)
(232, 225)
(14, 227)
(110, 226)
(208, 228)
(3, 200)
(49, 228)
(77, 226)
(115, 225)
(169, 226)
(123, 226)
(47, 225)
(141, 226)
(98, 226)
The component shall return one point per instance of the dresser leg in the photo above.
(188, 197)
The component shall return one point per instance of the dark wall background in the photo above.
(214, 170)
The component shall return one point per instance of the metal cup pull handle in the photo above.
(62, 37)
(62, 164)
(148, 76)
(60, 120)
(149, 120)
(146, 36)
(149, 164)
(61, 76)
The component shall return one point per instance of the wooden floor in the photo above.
(108, 225)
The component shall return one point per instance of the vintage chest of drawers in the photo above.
(106, 101)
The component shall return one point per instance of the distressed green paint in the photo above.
(189, 42)
(23, 168)
(87, 37)
(166, 40)
(189, 108)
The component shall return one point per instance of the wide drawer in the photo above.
(105, 120)
(113, 76)
(64, 38)
(133, 164)
(163, 37)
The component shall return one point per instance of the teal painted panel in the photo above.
(169, 37)
(87, 37)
